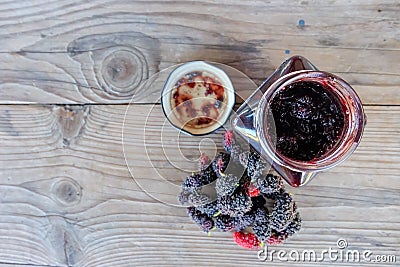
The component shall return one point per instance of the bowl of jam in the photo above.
(197, 98)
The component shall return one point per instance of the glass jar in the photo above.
(253, 120)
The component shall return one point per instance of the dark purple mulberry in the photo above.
(226, 223)
(283, 212)
(271, 185)
(197, 180)
(210, 209)
(253, 163)
(294, 226)
(261, 227)
(202, 220)
(198, 199)
(226, 184)
(236, 204)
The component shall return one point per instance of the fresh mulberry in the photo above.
(198, 199)
(236, 204)
(294, 226)
(246, 240)
(226, 223)
(261, 227)
(254, 164)
(197, 180)
(210, 209)
(283, 212)
(202, 220)
(226, 184)
(270, 185)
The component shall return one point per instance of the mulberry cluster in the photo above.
(239, 203)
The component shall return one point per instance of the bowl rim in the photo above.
(192, 66)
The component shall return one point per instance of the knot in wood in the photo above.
(67, 191)
(70, 121)
(123, 70)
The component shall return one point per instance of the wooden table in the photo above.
(69, 69)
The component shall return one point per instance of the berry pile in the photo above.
(236, 202)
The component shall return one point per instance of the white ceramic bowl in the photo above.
(225, 107)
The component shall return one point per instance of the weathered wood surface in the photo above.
(99, 51)
(67, 197)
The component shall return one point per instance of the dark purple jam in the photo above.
(308, 120)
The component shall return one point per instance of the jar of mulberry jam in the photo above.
(302, 120)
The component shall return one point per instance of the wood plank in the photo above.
(101, 51)
(68, 199)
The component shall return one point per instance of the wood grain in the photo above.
(74, 202)
(87, 180)
(100, 51)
